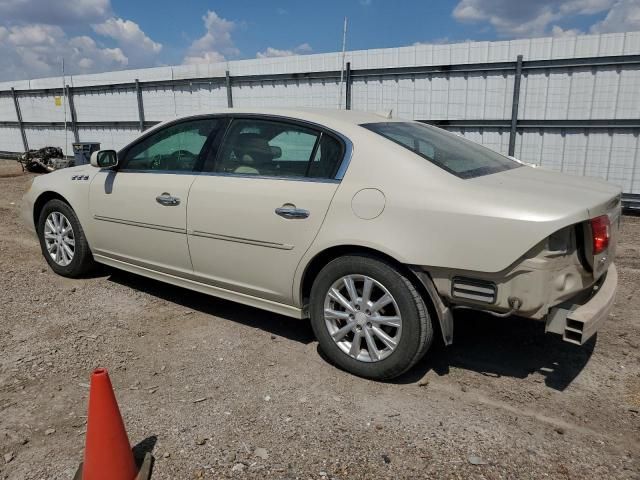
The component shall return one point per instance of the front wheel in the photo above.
(62, 240)
(369, 318)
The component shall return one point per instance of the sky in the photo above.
(105, 35)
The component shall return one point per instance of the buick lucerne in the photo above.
(374, 228)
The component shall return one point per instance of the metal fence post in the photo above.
(72, 109)
(347, 101)
(25, 144)
(514, 106)
(229, 92)
(140, 106)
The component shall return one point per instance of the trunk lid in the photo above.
(545, 194)
(550, 192)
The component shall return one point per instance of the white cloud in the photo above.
(139, 48)
(623, 17)
(34, 39)
(527, 18)
(216, 44)
(37, 50)
(270, 52)
(557, 31)
(58, 12)
(440, 41)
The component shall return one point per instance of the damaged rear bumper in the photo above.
(578, 321)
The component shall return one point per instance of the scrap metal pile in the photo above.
(44, 160)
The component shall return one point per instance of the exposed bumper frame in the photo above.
(577, 323)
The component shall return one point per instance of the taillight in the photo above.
(600, 233)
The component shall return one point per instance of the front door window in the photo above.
(174, 148)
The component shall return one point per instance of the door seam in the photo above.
(186, 223)
(295, 273)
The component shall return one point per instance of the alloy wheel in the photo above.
(59, 239)
(362, 318)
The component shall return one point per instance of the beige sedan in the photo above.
(375, 229)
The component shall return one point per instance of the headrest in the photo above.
(251, 147)
(253, 142)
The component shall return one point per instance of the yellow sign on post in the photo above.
(58, 101)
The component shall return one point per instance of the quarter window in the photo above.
(174, 148)
(328, 155)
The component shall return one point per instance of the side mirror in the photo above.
(104, 159)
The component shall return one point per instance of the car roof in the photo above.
(322, 116)
(337, 120)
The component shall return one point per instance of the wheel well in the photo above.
(326, 256)
(42, 201)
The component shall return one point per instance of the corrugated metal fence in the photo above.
(570, 104)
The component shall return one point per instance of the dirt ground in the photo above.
(219, 390)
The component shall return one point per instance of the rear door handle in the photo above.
(290, 212)
(167, 200)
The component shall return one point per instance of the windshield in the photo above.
(453, 153)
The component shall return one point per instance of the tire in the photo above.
(81, 261)
(413, 335)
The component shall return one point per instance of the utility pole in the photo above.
(64, 105)
(344, 48)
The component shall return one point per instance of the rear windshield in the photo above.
(453, 153)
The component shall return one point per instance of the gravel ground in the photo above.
(219, 390)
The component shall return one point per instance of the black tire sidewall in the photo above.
(410, 345)
(82, 258)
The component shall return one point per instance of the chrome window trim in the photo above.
(268, 177)
(348, 144)
(165, 172)
(235, 175)
(346, 160)
(166, 124)
(342, 169)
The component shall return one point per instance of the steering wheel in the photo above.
(176, 159)
(184, 155)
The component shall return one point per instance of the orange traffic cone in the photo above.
(107, 454)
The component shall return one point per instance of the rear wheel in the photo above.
(62, 240)
(369, 318)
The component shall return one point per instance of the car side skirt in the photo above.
(280, 308)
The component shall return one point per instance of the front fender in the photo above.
(69, 184)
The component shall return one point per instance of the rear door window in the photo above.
(270, 148)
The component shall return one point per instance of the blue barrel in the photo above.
(82, 152)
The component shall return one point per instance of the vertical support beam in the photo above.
(74, 120)
(140, 106)
(229, 92)
(514, 106)
(25, 144)
(347, 100)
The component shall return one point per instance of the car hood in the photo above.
(547, 196)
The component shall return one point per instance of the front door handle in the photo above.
(290, 212)
(167, 200)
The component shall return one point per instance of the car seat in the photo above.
(254, 154)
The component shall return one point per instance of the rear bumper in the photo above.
(578, 321)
